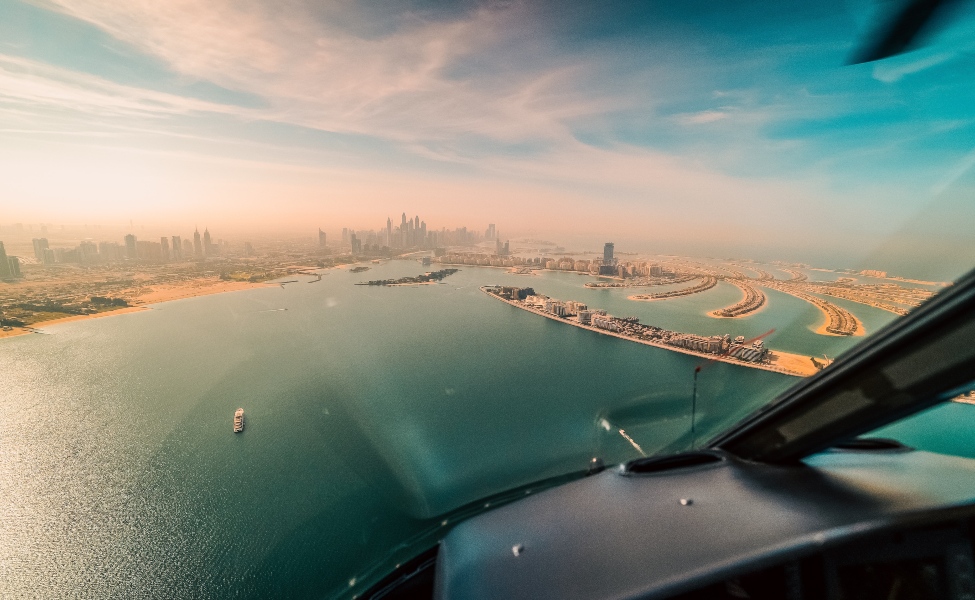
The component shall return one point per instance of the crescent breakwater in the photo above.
(716, 348)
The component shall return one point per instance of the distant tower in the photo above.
(608, 254)
(389, 232)
(207, 243)
(40, 245)
(321, 238)
(197, 244)
(4, 263)
(164, 243)
(130, 247)
(177, 248)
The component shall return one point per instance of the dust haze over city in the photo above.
(344, 115)
(288, 289)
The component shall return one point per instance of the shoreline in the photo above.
(821, 329)
(158, 295)
(795, 360)
(755, 310)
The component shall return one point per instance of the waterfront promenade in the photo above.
(785, 363)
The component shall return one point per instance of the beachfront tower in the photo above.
(321, 238)
(608, 254)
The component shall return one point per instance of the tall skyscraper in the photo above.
(177, 248)
(88, 252)
(490, 233)
(608, 253)
(164, 250)
(197, 245)
(321, 238)
(14, 263)
(40, 244)
(389, 232)
(4, 263)
(207, 243)
(130, 247)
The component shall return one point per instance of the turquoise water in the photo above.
(374, 417)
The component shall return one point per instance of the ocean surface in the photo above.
(375, 418)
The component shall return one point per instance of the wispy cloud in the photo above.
(28, 85)
(699, 118)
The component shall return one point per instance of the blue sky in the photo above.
(642, 120)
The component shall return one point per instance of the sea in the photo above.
(376, 419)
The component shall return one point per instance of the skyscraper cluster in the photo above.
(167, 249)
(410, 233)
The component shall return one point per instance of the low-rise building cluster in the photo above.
(580, 313)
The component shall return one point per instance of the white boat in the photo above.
(239, 420)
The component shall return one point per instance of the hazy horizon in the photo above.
(733, 130)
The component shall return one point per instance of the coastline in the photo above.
(821, 330)
(756, 310)
(797, 362)
(748, 314)
(143, 302)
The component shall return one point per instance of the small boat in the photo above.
(239, 420)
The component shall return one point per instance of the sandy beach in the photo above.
(786, 363)
(108, 313)
(821, 330)
(157, 294)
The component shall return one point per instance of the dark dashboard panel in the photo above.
(815, 530)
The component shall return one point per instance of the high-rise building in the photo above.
(107, 252)
(608, 254)
(356, 244)
(345, 235)
(197, 245)
(14, 266)
(389, 232)
(88, 252)
(321, 238)
(177, 248)
(187, 248)
(207, 243)
(40, 244)
(490, 233)
(4, 263)
(248, 249)
(164, 252)
(130, 247)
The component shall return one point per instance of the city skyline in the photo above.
(743, 129)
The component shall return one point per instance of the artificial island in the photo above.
(735, 351)
(426, 278)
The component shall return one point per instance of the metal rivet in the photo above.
(517, 549)
(686, 501)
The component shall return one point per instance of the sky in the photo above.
(724, 127)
